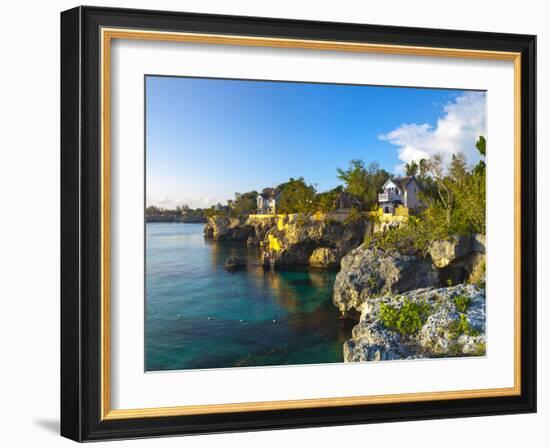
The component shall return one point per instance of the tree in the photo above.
(458, 168)
(456, 195)
(470, 191)
(363, 182)
(326, 200)
(434, 167)
(152, 210)
(297, 197)
(244, 203)
(481, 145)
(411, 169)
(183, 209)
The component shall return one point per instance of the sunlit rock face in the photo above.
(224, 228)
(307, 242)
(460, 258)
(324, 257)
(367, 272)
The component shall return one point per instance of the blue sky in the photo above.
(209, 138)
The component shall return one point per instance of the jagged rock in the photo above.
(234, 263)
(372, 342)
(367, 272)
(476, 269)
(478, 243)
(293, 242)
(439, 336)
(324, 257)
(224, 228)
(261, 227)
(444, 252)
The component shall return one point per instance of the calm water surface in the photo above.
(198, 315)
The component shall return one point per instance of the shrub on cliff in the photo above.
(407, 320)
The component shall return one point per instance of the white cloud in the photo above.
(457, 130)
(193, 202)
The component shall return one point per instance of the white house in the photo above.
(399, 191)
(267, 200)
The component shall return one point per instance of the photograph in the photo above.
(300, 223)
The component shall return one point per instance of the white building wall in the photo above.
(411, 195)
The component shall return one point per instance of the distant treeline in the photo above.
(179, 214)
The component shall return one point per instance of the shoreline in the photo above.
(153, 220)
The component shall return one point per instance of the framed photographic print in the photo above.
(273, 223)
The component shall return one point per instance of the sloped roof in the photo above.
(402, 182)
(270, 193)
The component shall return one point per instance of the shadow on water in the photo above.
(198, 315)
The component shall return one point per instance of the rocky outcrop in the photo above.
(261, 227)
(367, 272)
(324, 257)
(310, 242)
(460, 258)
(224, 228)
(451, 323)
(446, 251)
(234, 263)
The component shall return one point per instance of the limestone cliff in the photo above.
(367, 271)
(224, 228)
(423, 323)
(310, 242)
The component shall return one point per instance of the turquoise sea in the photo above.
(198, 315)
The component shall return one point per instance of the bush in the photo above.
(407, 320)
(354, 216)
(461, 326)
(462, 303)
(412, 236)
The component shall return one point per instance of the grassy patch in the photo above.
(407, 320)
(461, 326)
(462, 302)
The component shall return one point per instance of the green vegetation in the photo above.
(411, 169)
(297, 197)
(179, 214)
(244, 203)
(414, 236)
(461, 326)
(454, 199)
(462, 302)
(354, 216)
(364, 182)
(325, 201)
(481, 349)
(407, 320)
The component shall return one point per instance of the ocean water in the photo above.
(198, 315)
